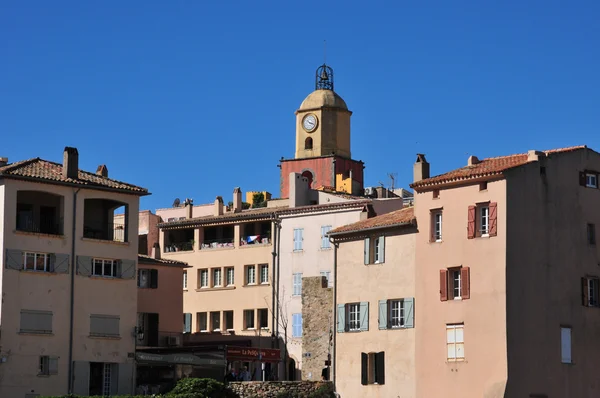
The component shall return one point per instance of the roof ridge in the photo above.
(18, 163)
(90, 173)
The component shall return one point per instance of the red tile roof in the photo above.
(142, 259)
(51, 172)
(393, 219)
(485, 168)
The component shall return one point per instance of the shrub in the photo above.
(205, 388)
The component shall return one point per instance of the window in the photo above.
(104, 325)
(184, 280)
(230, 276)
(250, 275)
(33, 321)
(327, 275)
(455, 284)
(217, 277)
(36, 262)
(298, 239)
(228, 320)
(375, 250)
(455, 341)
(308, 143)
(396, 313)
(482, 220)
(215, 321)
(565, 344)
(187, 323)
(325, 243)
(248, 319)
(263, 318)
(264, 273)
(297, 284)
(589, 291)
(105, 268)
(372, 368)
(353, 317)
(48, 366)
(435, 194)
(483, 186)
(591, 180)
(436, 220)
(591, 234)
(201, 322)
(296, 325)
(203, 278)
(148, 278)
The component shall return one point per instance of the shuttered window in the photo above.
(298, 239)
(327, 275)
(589, 291)
(148, 279)
(105, 268)
(455, 284)
(455, 342)
(373, 368)
(356, 317)
(565, 344)
(482, 220)
(396, 314)
(297, 284)
(325, 243)
(187, 323)
(375, 250)
(33, 321)
(296, 325)
(48, 366)
(104, 325)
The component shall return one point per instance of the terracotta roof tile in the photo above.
(142, 259)
(394, 218)
(486, 167)
(50, 172)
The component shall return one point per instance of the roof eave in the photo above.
(71, 184)
(460, 181)
(358, 231)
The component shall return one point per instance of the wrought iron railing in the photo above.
(179, 247)
(216, 243)
(113, 231)
(264, 239)
(42, 225)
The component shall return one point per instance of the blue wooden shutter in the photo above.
(84, 265)
(14, 259)
(127, 269)
(60, 263)
(364, 316)
(367, 250)
(409, 312)
(341, 318)
(300, 238)
(383, 312)
(382, 249)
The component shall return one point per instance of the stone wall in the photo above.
(317, 306)
(276, 389)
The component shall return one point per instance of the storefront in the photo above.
(257, 361)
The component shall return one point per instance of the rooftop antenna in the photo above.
(393, 178)
(325, 52)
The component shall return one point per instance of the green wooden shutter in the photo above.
(364, 316)
(341, 318)
(60, 263)
(380, 367)
(409, 312)
(154, 279)
(382, 249)
(84, 265)
(367, 250)
(127, 269)
(383, 312)
(14, 259)
(364, 368)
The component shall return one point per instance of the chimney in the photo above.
(156, 251)
(534, 156)
(3, 161)
(298, 191)
(472, 160)
(102, 170)
(218, 206)
(70, 163)
(237, 200)
(189, 208)
(420, 168)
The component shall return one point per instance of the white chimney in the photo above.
(533, 155)
(473, 160)
(237, 200)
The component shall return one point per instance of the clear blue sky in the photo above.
(192, 98)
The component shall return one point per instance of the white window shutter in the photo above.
(341, 318)
(382, 249)
(367, 250)
(364, 316)
(409, 312)
(383, 314)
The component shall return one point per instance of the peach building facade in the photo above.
(507, 276)
(375, 335)
(67, 279)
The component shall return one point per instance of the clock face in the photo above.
(309, 123)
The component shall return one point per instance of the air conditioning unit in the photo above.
(369, 191)
(172, 341)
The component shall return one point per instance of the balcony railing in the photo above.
(255, 240)
(163, 339)
(217, 243)
(113, 231)
(45, 225)
(179, 247)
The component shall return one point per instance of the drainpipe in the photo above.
(72, 298)
(333, 174)
(335, 315)
(277, 292)
(273, 281)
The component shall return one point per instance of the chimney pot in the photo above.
(218, 206)
(156, 251)
(3, 161)
(102, 170)
(533, 155)
(420, 168)
(70, 163)
(473, 160)
(237, 200)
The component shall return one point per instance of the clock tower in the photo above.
(323, 141)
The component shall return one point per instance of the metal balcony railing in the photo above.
(113, 231)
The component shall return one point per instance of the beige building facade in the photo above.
(375, 334)
(68, 279)
(507, 276)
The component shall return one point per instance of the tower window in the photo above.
(309, 176)
(308, 143)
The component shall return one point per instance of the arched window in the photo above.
(308, 143)
(309, 176)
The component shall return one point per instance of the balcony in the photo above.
(217, 243)
(218, 237)
(98, 220)
(180, 240)
(256, 233)
(40, 212)
(151, 338)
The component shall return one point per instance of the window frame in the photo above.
(484, 233)
(247, 318)
(228, 281)
(591, 291)
(325, 243)
(250, 281)
(44, 365)
(185, 280)
(455, 283)
(401, 313)
(454, 327)
(436, 225)
(374, 247)
(566, 350)
(264, 275)
(298, 239)
(297, 323)
(203, 282)
(327, 275)
(265, 312)
(202, 316)
(212, 321)
(225, 322)
(217, 272)
(46, 257)
(591, 234)
(353, 309)
(142, 271)
(588, 176)
(104, 262)
(297, 284)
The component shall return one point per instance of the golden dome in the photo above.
(323, 98)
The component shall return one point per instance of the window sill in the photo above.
(455, 361)
(214, 289)
(180, 252)
(38, 234)
(298, 251)
(47, 273)
(212, 249)
(256, 284)
(110, 242)
(325, 249)
(107, 278)
(254, 246)
(34, 333)
(104, 337)
(436, 241)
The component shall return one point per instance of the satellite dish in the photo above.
(176, 202)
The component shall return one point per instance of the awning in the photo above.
(253, 354)
(179, 359)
